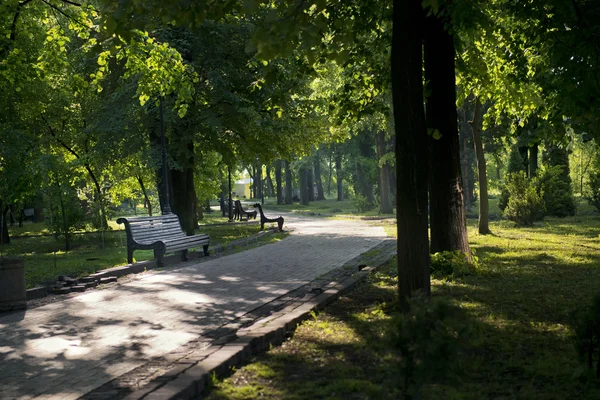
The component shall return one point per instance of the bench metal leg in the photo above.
(129, 256)
(184, 255)
(205, 247)
(158, 255)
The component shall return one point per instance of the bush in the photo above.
(428, 335)
(557, 192)
(452, 264)
(525, 202)
(592, 193)
(361, 203)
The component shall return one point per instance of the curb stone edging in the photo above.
(190, 379)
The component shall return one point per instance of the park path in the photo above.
(66, 349)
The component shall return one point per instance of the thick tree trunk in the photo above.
(4, 236)
(184, 192)
(318, 178)
(484, 208)
(447, 211)
(385, 204)
(533, 160)
(411, 148)
(288, 184)
(339, 175)
(154, 136)
(303, 175)
(278, 182)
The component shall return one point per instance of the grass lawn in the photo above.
(519, 306)
(45, 257)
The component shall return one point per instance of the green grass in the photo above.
(323, 207)
(45, 258)
(520, 307)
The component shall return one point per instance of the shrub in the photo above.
(557, 192)
(361, 203)
(525, 202)
(428, 336)
(452, 264)
(592, 193)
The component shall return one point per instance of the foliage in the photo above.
(526, 202)
(64, 212)
(428, 336)
(361, 203)
(557, 194)
(452, 264)
(587, 336)
(592, 193)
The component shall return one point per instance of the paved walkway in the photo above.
(66, 349)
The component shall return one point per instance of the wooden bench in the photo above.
(264, 219)
(160, 233)
(240, 213)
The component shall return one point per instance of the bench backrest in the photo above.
(148, 229)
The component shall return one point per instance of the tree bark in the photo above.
(288, 184)
(533, 160)
(385, 204)
(270, 189)
(184, 192)
(329, 178)
(318, 178)
(484, 209)
(411, 148)
(464, 156)
(339, 175)
(4, 235)
(447, 210)
(303, 175)
(310, 182)
(278, 185)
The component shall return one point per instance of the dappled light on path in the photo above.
(68, 348)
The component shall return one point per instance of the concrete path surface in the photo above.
(66, 349)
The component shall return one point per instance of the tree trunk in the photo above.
(258, 182)
(145, 192)
(464, 156)
(270, 189)
(288, 184)
(339, 176)
(391, 145)
(4, 235)
(329, 178)
(447, 210)
(484, 208)
(278, 182)
(318, 179)
(385, 205)
(303, 175)
(533, 160)
(411, 148)
(184, 192)
(310, 183)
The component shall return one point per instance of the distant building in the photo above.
(241, 188)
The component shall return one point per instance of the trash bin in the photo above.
(12, 284)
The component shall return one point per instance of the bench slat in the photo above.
(161, 233)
